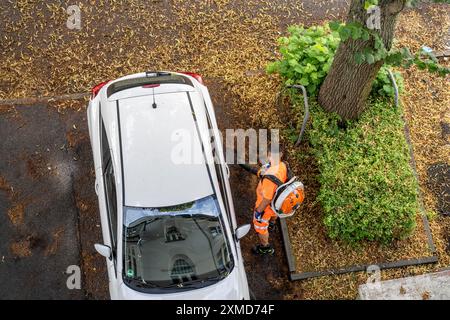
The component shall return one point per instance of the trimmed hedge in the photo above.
(368, 189)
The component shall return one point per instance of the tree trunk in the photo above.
(348, 84)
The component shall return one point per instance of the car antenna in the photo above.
(154, 102)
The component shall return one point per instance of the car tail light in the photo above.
(98, 87)
(152, 85)
(196, 76)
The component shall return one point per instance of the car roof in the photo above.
(161, 150)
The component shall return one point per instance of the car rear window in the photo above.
(137, 82)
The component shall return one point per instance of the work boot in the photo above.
(263, 250)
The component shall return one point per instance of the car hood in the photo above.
(230, 288)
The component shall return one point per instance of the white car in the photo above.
(169, 227)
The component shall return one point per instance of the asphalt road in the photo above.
(48, 213)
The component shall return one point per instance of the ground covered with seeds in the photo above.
(230, 44)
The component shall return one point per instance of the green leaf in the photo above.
(319, 48)
(299, 69)
(443, 71)
(420, 64)
(359, 58)
(326, 67)
(293, 62)
(387, 88)
(304, 81)
(370, 58)
(272, 67)
(344, 33)
(334, 25)
(432, 67)
(370, 3)
(365, 35)
(378, 42)
(356, 33)
(283, 41)
(309, 68)
(395, 58)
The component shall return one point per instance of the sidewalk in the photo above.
(431, 286)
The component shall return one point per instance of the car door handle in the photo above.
(96, 187)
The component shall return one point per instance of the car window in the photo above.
(182, 246)
(218, 167)
(223, 190)
(111, 200)
(110, 188)
(106, 155)
(142, 81)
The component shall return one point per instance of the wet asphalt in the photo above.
(42, 226)
(41, 241)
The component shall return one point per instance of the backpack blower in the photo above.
(288, 196)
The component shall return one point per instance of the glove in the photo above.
(258, 215)
(263, 170)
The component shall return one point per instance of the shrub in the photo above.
(307, 55)
(368, 189)
(382, 85)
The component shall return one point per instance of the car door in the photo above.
(107, 197)
(222, 172)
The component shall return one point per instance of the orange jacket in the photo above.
(266, 188)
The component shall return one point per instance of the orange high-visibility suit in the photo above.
(266, 189)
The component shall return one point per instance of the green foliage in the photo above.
(422, 59)
(369, 3)
(376, 51)
(368, 189)
(352, 30)
(382, 85)
(307, 55)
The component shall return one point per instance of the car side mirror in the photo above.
(103, 250)
(242, 231)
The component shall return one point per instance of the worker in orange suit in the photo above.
(264, 217)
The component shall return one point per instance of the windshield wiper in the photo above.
(194, 283)
(141, 283)
(139, 247)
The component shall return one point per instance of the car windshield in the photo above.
(180, 246)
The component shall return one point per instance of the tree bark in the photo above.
(348, 84)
